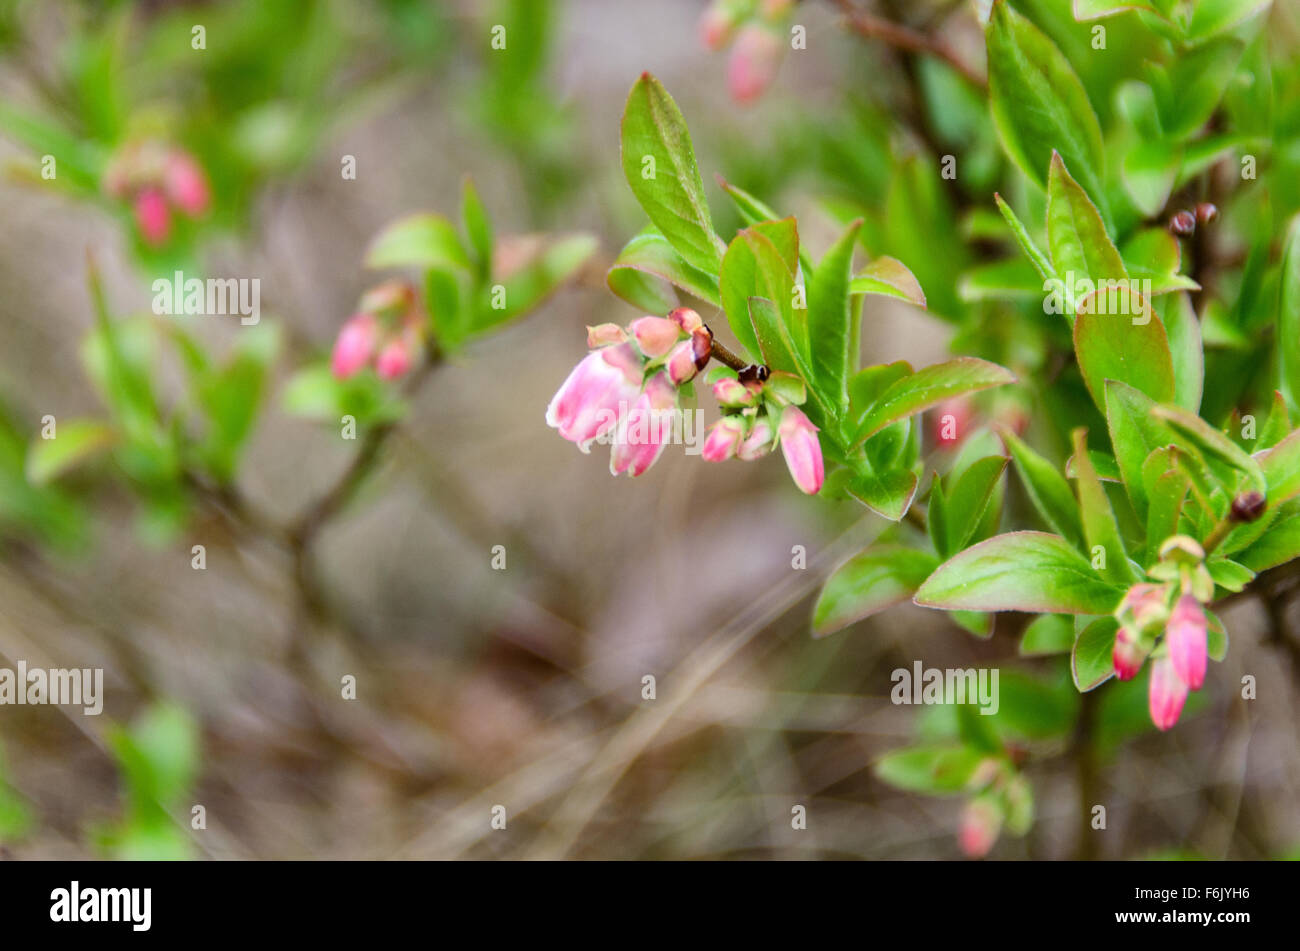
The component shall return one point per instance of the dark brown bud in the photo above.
(1183, 224)
(754, 373)
(1206, 212)
(1248, 507)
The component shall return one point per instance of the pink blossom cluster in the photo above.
(1166, 620)
(157, 179)
(628, 388)
(755, 30)
(386, 333)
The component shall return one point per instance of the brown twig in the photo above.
(903, 37)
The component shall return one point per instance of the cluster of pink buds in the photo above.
(627, 387)
(387, 333)
(757, 28)
(759, 413)
(156, 179)
(1166, 620)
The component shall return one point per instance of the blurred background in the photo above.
(520, 687)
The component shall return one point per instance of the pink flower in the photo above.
(754, 62)
(589, 402)
(759, 441)
(730, 392)
(186, 184)
(1186, 637)
(1167, 693)
(355, 345)
(681, 364)
(723, 439)
(803, 453)
(686, 319)
(1127, 655)
(981, 821)
(716, 27)
(152, 216)
(398, 355)
(604, 335)
(655, 335)
(645, 430)
(1145, 601)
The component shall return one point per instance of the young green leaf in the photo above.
(659, 164)
(1092, 660)
(1134, 434)
(931, 385)
(1048, 634)
(1099, 527)
(1117, 336)
(937, 771)
(758, 264)
(830, 315)
(968, 500)
(75, 441)
(1020, 571)
(888, 278)
(1039, 103)
(421, 240)
(1186, 351)
(1280, 544)
(1281, 468)
(478, 229)
(889, 493)
(649, 257)
(869, 582)
(1040, 260)
(1288, 316)
(1047, 489)
(1211, 443)
(1076, 235)
(538, 278)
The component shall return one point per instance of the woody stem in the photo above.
(724, 356)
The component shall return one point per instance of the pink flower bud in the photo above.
(731, 393)
(655, 335)
(681, 362)
(186, 184)
(398, 355)
(981, 821)
(724, 439)
(152, 216)
(355, 345)
(389, 298)
(645, 430)
(1128, 654)
(1186, 636)
(759, 442)
(1144, 605)
(716, 27)
(803, 453)
(605, 335)
(589, 402)
(1167, 693)
(686, 319)
(754, 62)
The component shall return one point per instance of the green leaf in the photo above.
(870, 581)
(478, 229)
(75, 441)
(1280, 544)
(1154, 255)
(1281, 468)
(1212, 17)
(650, 256)
(1228, 574)
(1039, 103)
(1186, 351)
(1048, 634)
(1134, 434)
(1076, 235)
(830, 316)
(968, 500)
(929, 386)
(937, 771)
(753, 211)
(1092, 662)
(888, 494)
(888, 277)
(1149, 171)
(1117, 336)
(1210, 442)
(1099, 526)
(421, 240)
(1047, 489)
(1103, 462)
(314, 393)
(1288, 316)
(1020, 571)
(1277, 426)
(659, 164)
(756, 266)
(1036, 257)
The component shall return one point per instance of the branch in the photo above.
(905, 38)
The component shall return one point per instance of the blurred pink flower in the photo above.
(1127, 655)
(355, 345)
(1167, 694)
(755, 59)
(186, 184)
(1186, 636)
(152, 216)
(723, 439)
(981, 821)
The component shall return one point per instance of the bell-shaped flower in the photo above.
(598, 390)
(803, 453)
